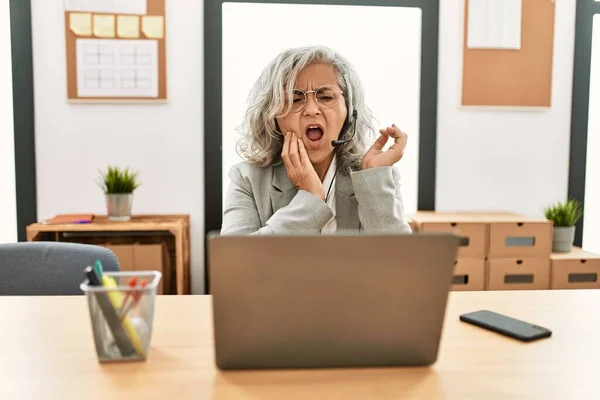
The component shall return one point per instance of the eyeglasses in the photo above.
(325, 97)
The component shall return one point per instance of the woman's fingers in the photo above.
(400, 139)
(286, 148)
(291, 157)
(380, 142)
(303, 155)
(294, 155)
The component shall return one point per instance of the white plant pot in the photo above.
(563, 237)
(118, 206)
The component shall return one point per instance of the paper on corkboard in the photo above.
(81, 24)
(116, 51)
(128, 26)
(513, 77)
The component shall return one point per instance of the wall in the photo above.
(8, 205)
(515, 159)
(591, 228)
(164, 142)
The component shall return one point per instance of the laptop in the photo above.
(329, 301)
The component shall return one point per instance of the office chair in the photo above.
(49, 268)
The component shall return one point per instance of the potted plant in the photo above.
(118, 186)
(564, 216)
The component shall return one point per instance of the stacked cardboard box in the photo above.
(500, 250)
(469, 270)
(577, 269)
(144, 257)
(519, 253)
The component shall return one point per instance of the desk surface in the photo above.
(46, 351)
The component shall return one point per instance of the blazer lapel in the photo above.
(346, 206)
(283, 190)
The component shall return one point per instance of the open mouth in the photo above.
(314, 133)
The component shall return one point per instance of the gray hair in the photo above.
(261, 143)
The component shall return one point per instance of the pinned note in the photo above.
(128, 26)
(153, 26)
(104, 26)
(81, 24)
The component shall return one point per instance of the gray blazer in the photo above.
(263, 201)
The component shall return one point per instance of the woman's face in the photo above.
(320, 121)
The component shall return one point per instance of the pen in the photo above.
(92, 277)
(131, 284)
(110, 314)
(116, 298)
(136, 298)
(98, 269)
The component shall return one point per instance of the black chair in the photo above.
(49, 268)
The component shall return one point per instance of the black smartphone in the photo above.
(507, 326)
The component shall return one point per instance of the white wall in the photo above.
(164, 142)
(474, 146)
(8, 204)
(591, 228)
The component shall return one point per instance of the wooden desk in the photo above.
(177, 225)
(47, 352)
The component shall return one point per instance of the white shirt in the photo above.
(331, 226)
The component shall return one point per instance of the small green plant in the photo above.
(115, 180)
(564, 213)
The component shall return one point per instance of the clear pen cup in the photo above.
(122, 315)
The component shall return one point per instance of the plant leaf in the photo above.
(117, 180)
(564, 213)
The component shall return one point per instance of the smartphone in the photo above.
(507, 326)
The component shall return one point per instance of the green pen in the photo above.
(98, 268)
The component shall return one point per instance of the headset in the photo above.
(351, 111)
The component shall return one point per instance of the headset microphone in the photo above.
(341, 141)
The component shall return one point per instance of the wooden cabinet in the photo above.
(170, 230)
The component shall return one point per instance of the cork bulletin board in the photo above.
(513, 77)
(116, 50)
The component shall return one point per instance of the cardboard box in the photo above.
(144, 257)
(469, 274)
(577, 269)
(473, 227)
(499, 234)
(124, 253)
(474, 236)
(519, 237)
(518, 274)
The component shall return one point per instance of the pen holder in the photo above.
(122, 315)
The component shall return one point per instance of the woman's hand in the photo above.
(376, 157)
(298, 166)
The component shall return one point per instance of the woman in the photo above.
(312, 166)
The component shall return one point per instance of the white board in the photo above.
(386, 51)
(8, 194)
(591, 227)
